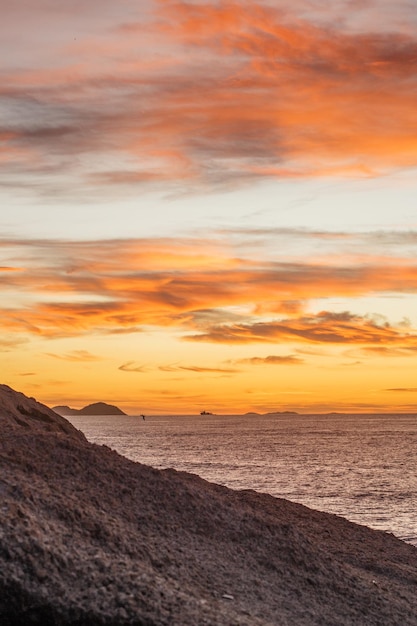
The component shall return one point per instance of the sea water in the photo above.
(363, 467)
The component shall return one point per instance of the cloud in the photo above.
(289, 97)
(198, 369)
(403, 389)
(323, 328)
(208, 289)
(76, 356)
(180, 274)
(208, 94)
(12, 343)
(400, 351)
(289, 359)
(130, 366)
(58, 320)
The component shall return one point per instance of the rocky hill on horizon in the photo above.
(88, 537)
(97, 408)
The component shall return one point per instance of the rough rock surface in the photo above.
(88, 537)
(20, 414)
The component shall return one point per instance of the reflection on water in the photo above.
(358, 466)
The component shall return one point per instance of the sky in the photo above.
(209, 205)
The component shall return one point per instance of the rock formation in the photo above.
(22, 415)
(88, 537)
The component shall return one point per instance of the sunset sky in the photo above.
(209, 205)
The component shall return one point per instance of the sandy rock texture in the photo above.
(88, 537)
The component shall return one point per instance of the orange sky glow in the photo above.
(210, 205)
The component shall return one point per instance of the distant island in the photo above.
(282, 413)
(97, 408)
(254, 414)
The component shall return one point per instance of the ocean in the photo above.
(362, 467)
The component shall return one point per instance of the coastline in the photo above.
(89, 537)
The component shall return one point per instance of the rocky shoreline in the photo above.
(89, 537)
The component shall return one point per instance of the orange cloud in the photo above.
(208, 290)
(205, 370)
(76, 356)
(237, 91)
(107, 277)
(290, 359)
(399, 351)
(11, 343)
(294, 92)
(325, 328)
(131, 367)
